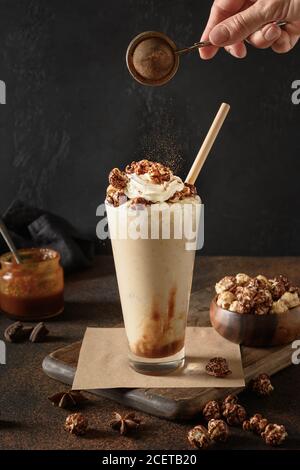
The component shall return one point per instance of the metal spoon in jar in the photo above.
(5, 234)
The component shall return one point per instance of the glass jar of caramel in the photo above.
(34, 289)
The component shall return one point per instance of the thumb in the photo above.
(238, 27)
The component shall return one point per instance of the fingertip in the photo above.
(283, 44)
(264, 37)
(272, 33)
(208, 52)
(242, 50)
(239, 50)
(219, 35)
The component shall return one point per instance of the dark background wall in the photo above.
(73, 112)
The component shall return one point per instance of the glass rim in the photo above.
(48, 255)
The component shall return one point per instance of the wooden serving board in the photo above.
(173, 403)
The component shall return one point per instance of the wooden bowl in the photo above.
(256, 330)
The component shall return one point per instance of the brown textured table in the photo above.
(29, 421)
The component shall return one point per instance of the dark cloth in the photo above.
(33, 227)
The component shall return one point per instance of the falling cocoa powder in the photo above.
(162, 143)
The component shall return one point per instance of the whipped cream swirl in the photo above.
(143, 186)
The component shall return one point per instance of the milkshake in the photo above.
(154, 258)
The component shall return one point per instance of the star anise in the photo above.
(67, 399)
(125, 423)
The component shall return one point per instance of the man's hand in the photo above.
(231, 22)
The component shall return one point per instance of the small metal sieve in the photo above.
(153, 58)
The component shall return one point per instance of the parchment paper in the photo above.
(103, 362)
